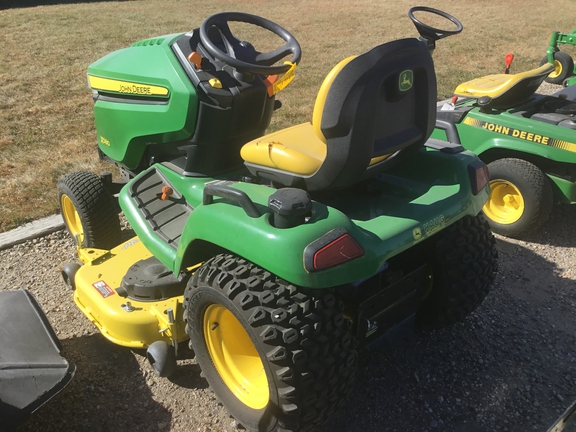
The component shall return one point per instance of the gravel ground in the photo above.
(507, 367)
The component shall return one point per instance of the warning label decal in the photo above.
(103, 288)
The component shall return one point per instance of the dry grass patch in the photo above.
(46, 110)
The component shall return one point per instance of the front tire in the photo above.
(463, 260)
(563, 67)
(89, 210)
(521, 197)
(277, 357)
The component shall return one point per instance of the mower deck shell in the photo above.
(124, 321)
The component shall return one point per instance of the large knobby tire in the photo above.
(464, 261)
(277, 357)
(521, 197)
(563, 67)
(89, 210)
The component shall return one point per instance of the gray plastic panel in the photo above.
(31, 368)
(165, 217)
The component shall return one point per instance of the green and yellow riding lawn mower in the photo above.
(527, 139)
(278, 257)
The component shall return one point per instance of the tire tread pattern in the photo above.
(464, 263)
(536, 190)
(303, 334)
(96, 207)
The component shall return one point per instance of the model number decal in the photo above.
(430, 227)
(434, 225)
(520, 134)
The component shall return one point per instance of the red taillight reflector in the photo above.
(343, 249)
(479, 176)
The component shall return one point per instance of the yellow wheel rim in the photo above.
(72, 218)
(505, 204)
(557, 70)
(235, 357)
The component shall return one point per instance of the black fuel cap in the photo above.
(290, 206)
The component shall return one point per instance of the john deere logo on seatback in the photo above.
(406, 79)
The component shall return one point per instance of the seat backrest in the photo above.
(370, 106)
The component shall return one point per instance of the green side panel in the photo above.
(127, 123)
(416, 200)
(480, 132)
(564, 190)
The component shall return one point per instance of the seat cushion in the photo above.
(296, 150)
(496, 85)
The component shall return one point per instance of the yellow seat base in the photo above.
(495, 86)
(296, 149)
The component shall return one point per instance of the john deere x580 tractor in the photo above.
(278, 257)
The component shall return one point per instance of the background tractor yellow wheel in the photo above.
(563, 67)
(506, 204)
(520, 198)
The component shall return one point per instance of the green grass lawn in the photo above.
(46, 124)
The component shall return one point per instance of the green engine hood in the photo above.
(142, 97)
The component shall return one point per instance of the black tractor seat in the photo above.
(370, 110)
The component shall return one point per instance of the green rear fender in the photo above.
(280, 251)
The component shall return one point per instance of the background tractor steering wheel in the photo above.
(431, 33)
(241, 55)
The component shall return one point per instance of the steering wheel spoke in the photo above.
(269, 58)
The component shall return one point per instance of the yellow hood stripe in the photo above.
(125, 87)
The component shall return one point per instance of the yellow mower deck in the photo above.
(126, 322)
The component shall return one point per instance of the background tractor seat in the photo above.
(369, 109)
(505, 90)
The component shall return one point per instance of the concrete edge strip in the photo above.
(31, 230)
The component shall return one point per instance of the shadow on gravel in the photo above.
(507, 367)
(559, 229)
(90, 404)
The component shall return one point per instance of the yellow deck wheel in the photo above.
(505, 204)
(235, 357)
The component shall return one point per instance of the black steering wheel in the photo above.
(429, 32)
(241, 55)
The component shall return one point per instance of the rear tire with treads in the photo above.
(464, 261)
(277, 356)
